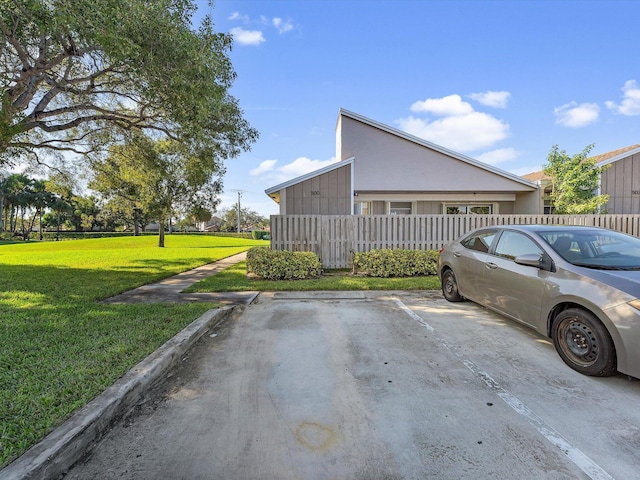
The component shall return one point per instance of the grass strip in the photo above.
(234, 279)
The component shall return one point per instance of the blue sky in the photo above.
(499, 81)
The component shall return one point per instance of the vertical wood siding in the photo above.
(334, 238)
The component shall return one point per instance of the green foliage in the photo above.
(575, 181)
(154, 178)
(395, 263)
(249, 219)
(235, 279)
(282, 264)
(259, 234)
(76, 73)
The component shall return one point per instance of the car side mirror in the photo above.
(534, 260)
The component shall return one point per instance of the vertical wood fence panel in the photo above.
(335, 238)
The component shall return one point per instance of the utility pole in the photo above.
(240, 192)
(239, 195)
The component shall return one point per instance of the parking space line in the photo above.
(588, 466)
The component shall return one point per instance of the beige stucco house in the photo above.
(620, 180)
(382, 170)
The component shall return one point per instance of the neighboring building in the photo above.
(621, 181)
(382, 170)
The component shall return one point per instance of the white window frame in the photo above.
(493, 207)
(411, 211)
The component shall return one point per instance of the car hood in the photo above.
(627, 281)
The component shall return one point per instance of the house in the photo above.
(383, 170)
(620, 180)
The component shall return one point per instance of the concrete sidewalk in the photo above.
(169, 290)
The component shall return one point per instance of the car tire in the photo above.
(584, 343)
(450, 287)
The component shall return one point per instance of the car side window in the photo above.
(480, 241)
(512, 244)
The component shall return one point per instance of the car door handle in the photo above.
(490, 265)
(456, 254)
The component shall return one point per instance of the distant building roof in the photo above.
(602, 159)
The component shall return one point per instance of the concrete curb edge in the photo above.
(57, 452)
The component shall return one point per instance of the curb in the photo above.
(61, 449)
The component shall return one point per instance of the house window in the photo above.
(362, 208)
(399, 208)
(468, 209)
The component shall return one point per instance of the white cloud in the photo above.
(443, 107)
(574, 116)
(630, 100)
(264, 167)
(463, 133)
(247, 37)
(281, 25)
(300, 166)
(498, 156)
(238, 16)
(492, 99)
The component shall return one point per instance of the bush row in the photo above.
(282, 265)
(260, 235)
(395, 263)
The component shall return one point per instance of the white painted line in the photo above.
(412, 314)
(588, 466)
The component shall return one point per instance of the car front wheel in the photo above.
(450, 287)
(584, 343)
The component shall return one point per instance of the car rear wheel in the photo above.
(450, 287)
(584, 343)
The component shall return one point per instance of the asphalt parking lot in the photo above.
(354, 385)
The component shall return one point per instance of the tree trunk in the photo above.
(161, 233)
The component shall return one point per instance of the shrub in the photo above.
(259, 234)
(395, 263)
(282, 265)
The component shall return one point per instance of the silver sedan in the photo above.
(580, 286)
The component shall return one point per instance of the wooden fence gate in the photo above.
(335, 238)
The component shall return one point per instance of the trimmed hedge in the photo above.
(282, 265)
(395, 263)
(259, 234)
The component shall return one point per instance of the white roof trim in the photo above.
(437, 148)
(309, 175)
(618, 157)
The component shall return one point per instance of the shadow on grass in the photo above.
(52, 281)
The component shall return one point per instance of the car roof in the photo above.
(542, 227)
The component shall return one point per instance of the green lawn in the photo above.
(59, 348)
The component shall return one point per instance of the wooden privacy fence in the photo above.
(334, 238)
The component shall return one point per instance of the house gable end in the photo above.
(391, 160)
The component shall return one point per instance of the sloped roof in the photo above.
(309, 175)
(601, 160)
(437, 148)
(536, 176)
(615, 155)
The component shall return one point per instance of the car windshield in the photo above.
(601, 249)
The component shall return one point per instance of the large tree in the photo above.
(156, 177)
(574, 182)
(75, 72)
(249, 219)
